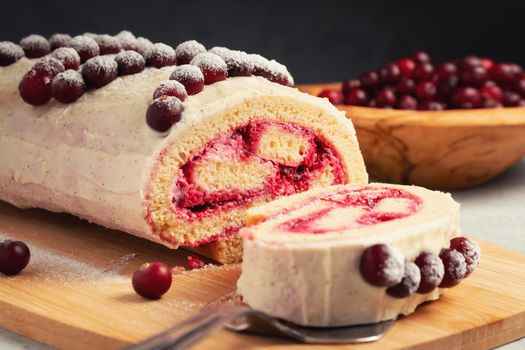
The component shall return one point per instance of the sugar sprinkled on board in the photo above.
(49, 266)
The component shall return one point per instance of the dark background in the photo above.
(318, 40)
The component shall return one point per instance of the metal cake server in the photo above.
(243, 319)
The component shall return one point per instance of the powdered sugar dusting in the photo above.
(187, 72)
(160, 55)
(50, 65)
(187, 50)
(35, 45)
(102, 63)
(108, 44)
(210, 61)
(68, 77)
(127, 40)
(239, 63)
(49, 266)
(68, 56)
(143, 45)
(394, 266)
(171, 88)
(10, 53)
(59, 40)
(85, 46)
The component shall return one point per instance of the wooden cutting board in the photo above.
(76, 294)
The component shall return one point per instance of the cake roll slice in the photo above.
(347, 254)
(174, 154)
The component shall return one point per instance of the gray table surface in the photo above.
(494, 212)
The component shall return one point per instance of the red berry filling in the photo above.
(212, 66)
(189, 76)
(195, 262)
(99, 71)
(14, 257)
(382, 266)
(192, 201)
(10, 53)
(152, 280)
(35, 46)
(130, 62)
(187, 50)
(160, 55)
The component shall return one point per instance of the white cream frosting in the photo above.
(93, 157)
(314, 279)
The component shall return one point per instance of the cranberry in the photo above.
(185, 51)
(239, 63)
(35, 87)
(68, 86)
(58, 40)
(212, 66)
(420, 57)
(333, 95)
(519, 86)
(487, 63)
(423, 71)
(142, 45)
(86, 47)
(447, 85)
(432, 271)
(160, 55)
(504, 73)
(471, 61)
(386, 97)
(195, 262)
(127, 40)
(68, 56)
(369, 79)
(407, 102)
(425, 90)
(491, 91)
(406, 66)
(372, 103)
(356, 97)
(152, 280)
(349, 85)
(163, 112)
(431, 106)
(171, 88)
(35, 46)
(278, 73)
(466, 97)
(409, 283)
(108, 44)
(473, 75)
(10, 53)
(189, 76)
(51, 66)
(406, 86)
(99, 71)
(129, 62)
(488, 103)
(382, 266)
(455, 267)
(447, 69)
(14, 257)
(390, 74)
(511, 99)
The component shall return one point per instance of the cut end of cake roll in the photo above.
(253, 141)
(345, 255)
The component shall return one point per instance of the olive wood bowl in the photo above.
(444, 150)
